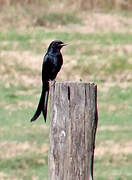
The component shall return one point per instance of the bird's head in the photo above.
(57, 45)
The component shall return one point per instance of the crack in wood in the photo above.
(68, 93)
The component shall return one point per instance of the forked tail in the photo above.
(43, 102)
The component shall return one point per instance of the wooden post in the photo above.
(72, 131)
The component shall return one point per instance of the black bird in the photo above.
(52, 63)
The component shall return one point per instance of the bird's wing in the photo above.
(47, 68)
(51, 66)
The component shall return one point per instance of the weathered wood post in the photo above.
(72, 131)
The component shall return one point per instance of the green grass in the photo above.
(112, 171)
(39, 35)
(16, 127)
(26, 166)
(52, 19)
(116, 167)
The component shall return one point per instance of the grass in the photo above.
(23, 158)
(103, 39)
(52, 19)
(25, 166)
(119, 172)
(104, 58)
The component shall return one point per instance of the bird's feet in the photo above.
(52, 83)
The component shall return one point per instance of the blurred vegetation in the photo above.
(81, 4)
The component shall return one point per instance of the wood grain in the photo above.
(72, 131)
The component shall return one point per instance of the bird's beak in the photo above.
(64, 44)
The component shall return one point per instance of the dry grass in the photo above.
(76, 4)
(106, 23)
(14, 148)
(18, 61)
(112, 148)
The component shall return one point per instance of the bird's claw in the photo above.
(52, 83)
